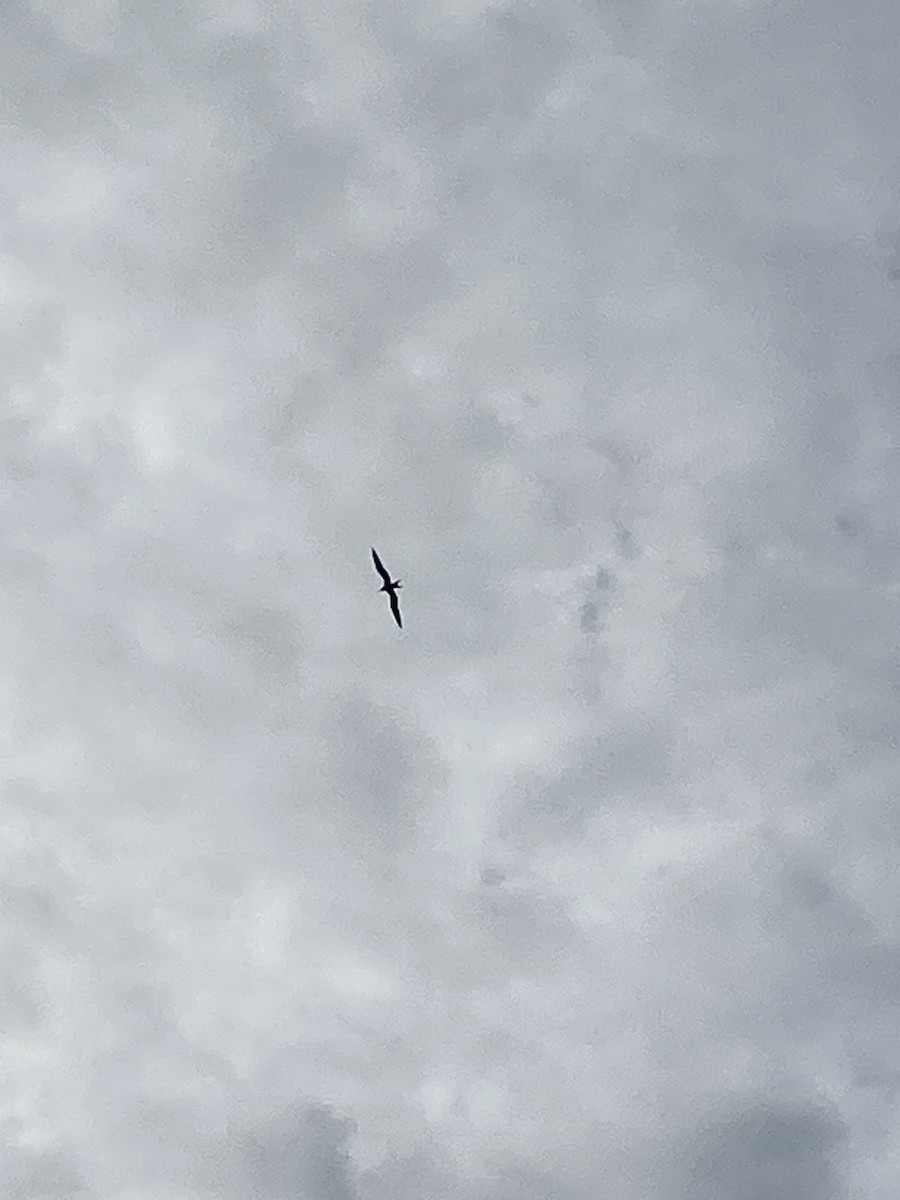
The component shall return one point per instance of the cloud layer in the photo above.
(583, 885)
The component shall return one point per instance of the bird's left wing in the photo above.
(395, 608)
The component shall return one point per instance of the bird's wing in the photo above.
(395, 608)
(379, 566)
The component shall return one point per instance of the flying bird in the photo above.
(388, 586)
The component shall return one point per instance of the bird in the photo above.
(388, 586)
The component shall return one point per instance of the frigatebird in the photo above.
(388, 586)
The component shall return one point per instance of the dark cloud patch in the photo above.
(627, 765)
(491, 76)
(593, 608)
(43, 1175)
(425, 1172)
(303, 1151)
(389, 759)
(850, 524)
(535, 935)
(760, 1152)
(300, 1150)
(604, 580)
(492, 876)
(266, 639)
(590, 617)
(626, 542)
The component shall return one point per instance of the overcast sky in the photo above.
(584, 885)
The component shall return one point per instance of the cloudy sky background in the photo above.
(587, 315)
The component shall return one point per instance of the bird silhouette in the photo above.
(388, 586)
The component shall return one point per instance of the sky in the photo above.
(582, 885)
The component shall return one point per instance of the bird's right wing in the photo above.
(379, 566)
